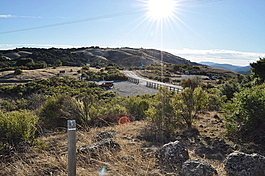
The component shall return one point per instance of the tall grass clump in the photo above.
(17, 126)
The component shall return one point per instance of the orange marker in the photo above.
(124, 121)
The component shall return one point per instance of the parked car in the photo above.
(107, 84)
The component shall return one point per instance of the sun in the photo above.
(160, 9)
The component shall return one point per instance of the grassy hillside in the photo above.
(124, 57)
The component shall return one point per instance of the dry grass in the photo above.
(129, 161)
(9, 78)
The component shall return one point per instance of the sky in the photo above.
(222, 31)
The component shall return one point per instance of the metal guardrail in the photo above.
(133, 80)
(157, 86)
(154, 85)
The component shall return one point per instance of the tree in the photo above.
(18, 71)
(258, 68)
(58, 63)
(246, 110)
(191, 83)
(24, 62)
(229, 88)
(162, 112)
(189, 103)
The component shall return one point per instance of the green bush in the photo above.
(17, 126)
(188, 103)
(229, 88)
(215, 100)
(57, 110)
(18, 71)
(246, 110)
(137, 107)
(162, 112)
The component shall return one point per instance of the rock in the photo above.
(106, 135)
(149, 152)
(100, 147)
(172, 155)
(216, 117)
(197, 167)
(242, 164)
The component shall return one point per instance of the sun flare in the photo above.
(160, 9)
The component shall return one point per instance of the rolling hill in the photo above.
(238, 69)
(100, 57)
(124, 57)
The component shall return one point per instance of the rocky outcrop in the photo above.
(242, 164)
(100, 147)
(105, 135)
(197, 167)
(172, 155)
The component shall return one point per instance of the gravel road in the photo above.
(126, 88)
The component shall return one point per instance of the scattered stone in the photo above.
(131, 143)
(126, 158)
(140, 137)
(216, 117)
(149, 152)
(100, 147)
(106, 135)
(242, 164)
(172, 155)
(197, 167)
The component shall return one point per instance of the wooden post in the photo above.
(71, 129)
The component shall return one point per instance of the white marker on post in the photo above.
(71, 130)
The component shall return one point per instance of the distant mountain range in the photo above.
(238, 69)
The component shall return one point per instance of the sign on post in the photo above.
(71, 130)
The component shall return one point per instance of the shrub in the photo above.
(137, 107)
(229, 88)
(215, 100)
(191, 83)
(246, 110)
(17, 126)
(162, 113)
(189, 103)
(57, 110)
(18, 71)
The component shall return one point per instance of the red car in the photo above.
(106, 84)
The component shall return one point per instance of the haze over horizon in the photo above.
(221, 31)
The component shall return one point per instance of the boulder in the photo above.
(172, 155)
(242, 164)
(100, 147)
(197, 167)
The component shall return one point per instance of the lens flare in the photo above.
(159, 9)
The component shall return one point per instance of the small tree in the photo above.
(18, 71)
(189, 103)
(18, 126)
(192, 83)
(58, 63)
(24, 62)
(162, 112)
(246, 110)
(258, 68)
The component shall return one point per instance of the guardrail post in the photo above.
(71, 129)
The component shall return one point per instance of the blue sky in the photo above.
(223, 31)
